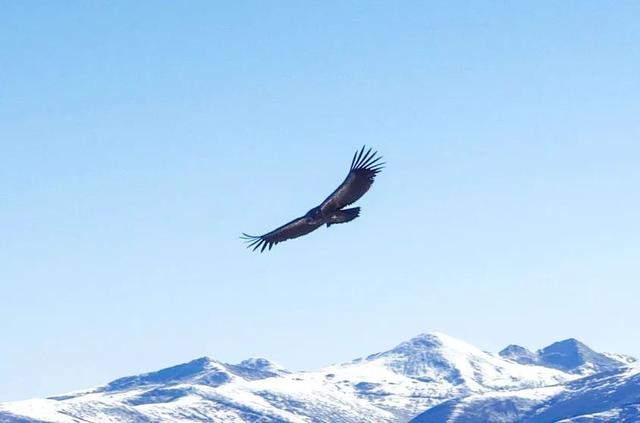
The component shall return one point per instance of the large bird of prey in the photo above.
(364, 167)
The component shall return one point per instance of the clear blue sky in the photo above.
(139, 140)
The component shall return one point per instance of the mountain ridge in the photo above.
(423, 373)
(569, 355)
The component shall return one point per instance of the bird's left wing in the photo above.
(293, 229)
(364, 168)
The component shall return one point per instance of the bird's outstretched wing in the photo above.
(293, 229)
(364, 168)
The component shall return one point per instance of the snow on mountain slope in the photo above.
(519, 354)
(390, 386)
(622, 358)
(283, 399)
(569, 355)
(604, 397)
(573, 356)
(431, 368)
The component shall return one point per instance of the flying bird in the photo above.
(364, 167)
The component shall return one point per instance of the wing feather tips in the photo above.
(372, 161)
(364, 158)
(377, 168)
(367, 161)
(353, 161)
(252, 241)
(359, 156)
(367, 156)
(257, 242)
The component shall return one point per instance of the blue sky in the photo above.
(139, 140)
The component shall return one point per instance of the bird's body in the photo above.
(342, 216)
(364, 168)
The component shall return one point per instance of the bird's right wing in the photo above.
(293, 229)
(364, 168)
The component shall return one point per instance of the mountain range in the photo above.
(430, 378)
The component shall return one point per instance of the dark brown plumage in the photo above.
(364, 167)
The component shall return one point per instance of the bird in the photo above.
(364, 168)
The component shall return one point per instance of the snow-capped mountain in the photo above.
(569, 355)
(610, 396)
(430, 368)
(391, 386)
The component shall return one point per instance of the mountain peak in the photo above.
(263, 365)
(421, 341)
(572, 355)
(438, 358)
(426, 346)
(519, 354)
(430, 341)
(568, 355)
(572, 343)
(514, 349)
(258, 363)
(256, 368)
(206, 369)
